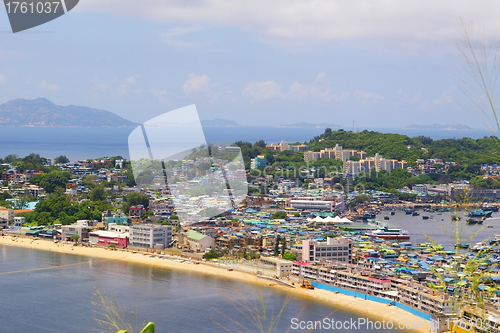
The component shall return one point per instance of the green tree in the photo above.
(289, 256)
(97, 194)
(61, 160)
(75, 238)
(134, 199)
(279, 215)
(212, 254)
(277, 245)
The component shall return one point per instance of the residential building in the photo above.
(311, 156)
(150, 236)
(198, 241)
(107, 238)
(135, 212)
(420, 188)
(19, 221)
(283, 267)
(7, 214)
(338, 248)
(67, 231)
(258, 162)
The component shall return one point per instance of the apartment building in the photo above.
(150, 235)
(7, 215)
(258, 162)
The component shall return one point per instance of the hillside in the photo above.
(41, 112)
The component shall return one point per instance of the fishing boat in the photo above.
(480, 247)
(481, 213)
(390, 233)
(474, 221)
(425, 217)
(492, 208)
(495, 240)
(369, 215)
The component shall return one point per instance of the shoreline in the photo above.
(360, 307)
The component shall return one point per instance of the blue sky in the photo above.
(379, 63)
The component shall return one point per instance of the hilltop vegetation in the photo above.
(461, 158)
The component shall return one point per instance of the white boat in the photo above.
(480, 247)
(390, 233)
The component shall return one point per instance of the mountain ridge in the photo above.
(42, 112)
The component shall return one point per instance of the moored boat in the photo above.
(390, 233)
(474, 221)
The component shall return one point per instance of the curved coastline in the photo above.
(359, 307)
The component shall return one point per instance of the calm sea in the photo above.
(440, 229)
(58, 298)
(83, 143)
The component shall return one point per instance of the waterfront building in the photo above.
(7, 214)
(107, 238)
(338, 249)
(419, 188)
(150, 235)
(315, 204)
(281, 266)
(69, 230)
(198, 241)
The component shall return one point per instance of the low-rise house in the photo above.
(198, 241)
(107, 238)
(282, 267)
(67, 231)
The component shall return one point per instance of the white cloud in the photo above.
(319, 89)
(262, 90)
(367, 97)
(48, 86)
(160, 94)
(171, 37)
(127, 86)
(446, 97)
(411, 22)
(197, 84)
(130, 79)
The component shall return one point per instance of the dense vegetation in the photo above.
(464, 155)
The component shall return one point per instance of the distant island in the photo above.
(309, 125)
(219, 123)
(438, 127)
(41, 112)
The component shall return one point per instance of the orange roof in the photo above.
(23, 211)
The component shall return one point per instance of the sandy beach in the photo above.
(363, 308)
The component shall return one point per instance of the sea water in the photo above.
(44, 291)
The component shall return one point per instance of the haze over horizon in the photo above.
(381, 64)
